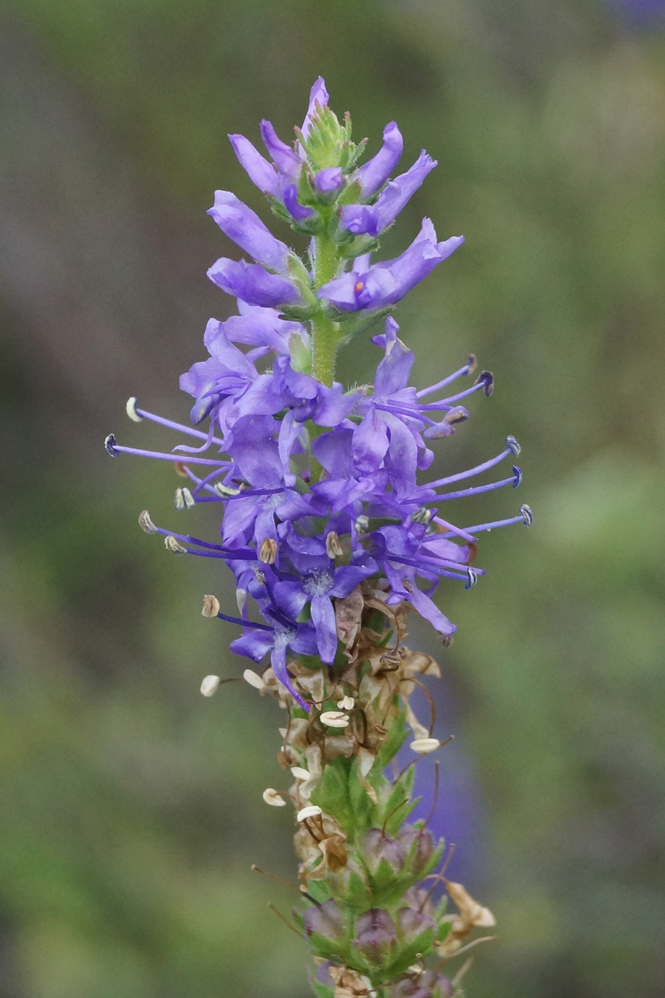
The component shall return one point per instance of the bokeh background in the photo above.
(130, 807)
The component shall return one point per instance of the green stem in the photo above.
(325, 332)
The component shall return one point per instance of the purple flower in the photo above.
(373, 219)
(260, 171)
(245, 228)
(253, 284)
(319, 580)
(218, 382)
(374, 173)
(286, 161)
(329, 180)
(257, 642)
(384, 284)
(262, 328)
(317, 95)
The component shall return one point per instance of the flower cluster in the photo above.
(326, 521)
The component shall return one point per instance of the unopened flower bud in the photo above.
(145, 523)
(268, 551)
(210, 606)
(412, 923)
(311, 811)
(346, 703)
(427, 984)
(174, 546)
(253, 679)
(131, 410)
(183, 499)
(425, 745)
(333, 547)
(326, 920)
(376, 936)
(424, 843)
(334, 719)
(210, 685)
(377, 846)
(271, 797)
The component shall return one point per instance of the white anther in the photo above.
(308, 812)
(334, 719)
(210, 606)
(425, 745)
(271, 797)
(253, 679)
(299, 773)
(225, 490)
(241, 599)
(183, 499)
(131, 410)
(346, 703)
(333, 547)
(210, 685)
(145, 523)
(172, 545)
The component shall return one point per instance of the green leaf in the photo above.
(395, 738)
(332, 794)
(322, 990)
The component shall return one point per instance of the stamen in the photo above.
(210, 685)
(526, 518)
(171, 425)
(268, 551)
(183, 499)
(333, 547)
(512, 447)
(473, 577)
(518, 476)
(458, 531)
(462, 373)
(145, 523)
(463, 493)
(110, 444)
(210, 606)
(112, 447)
(131, 410)
(172, 545)
(244, 623)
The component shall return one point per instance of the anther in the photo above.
(423, 746)
(210, 606)
(487, 380)
(346, 703)
(423, 515)
(131, 410)
(513, 446)
(145, 523)
(308, 812)
(362, 524)
(110, 444)
(333, 547)
(172, 545)
(527, 515)
(268, 551)
(472, 577)
(300, 773)
(183, 499)
(471, 363)
(253, 679)
(458, 414)
(225, 490)
(517, 472)
(210, 685)
(334, 719)
(358, 287)
(273, 798)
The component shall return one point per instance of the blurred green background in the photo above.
(130, 807)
